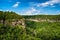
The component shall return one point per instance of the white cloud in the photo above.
(58, 11)
(32, 11)
(16, 4)
(51, 3)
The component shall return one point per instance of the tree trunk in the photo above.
(3, 21)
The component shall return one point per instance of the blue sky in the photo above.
(31, 7)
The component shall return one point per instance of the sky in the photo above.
(31, 7)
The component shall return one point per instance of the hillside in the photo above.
(16, 27)
(8, 17)
(43, 18)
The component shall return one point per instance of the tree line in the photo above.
(50, 17)
(8, 16)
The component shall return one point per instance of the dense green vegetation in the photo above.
(8, 16)
(14, 33)
(44, 30)
(33, 30)
(51, 17)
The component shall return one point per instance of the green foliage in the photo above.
(49, 32)
(44, 30)
(9, 33)
(32, 31)
(51, 17)
(30, 24)
(14, 33)
(9, 15)
(4, 16)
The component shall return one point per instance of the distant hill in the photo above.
(51, 17)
